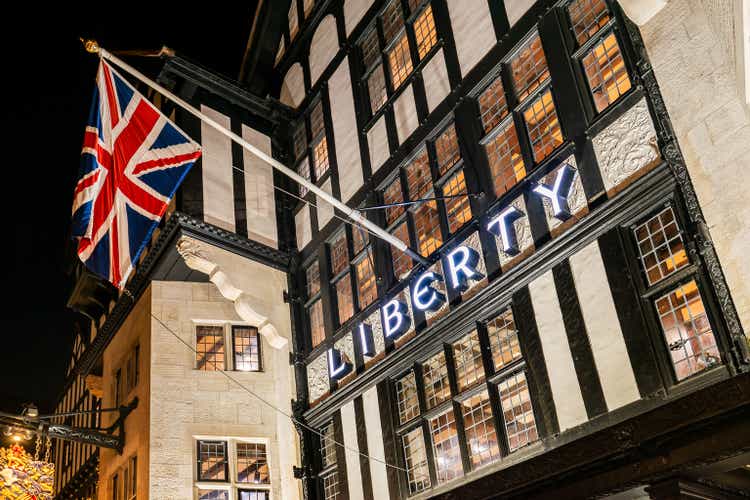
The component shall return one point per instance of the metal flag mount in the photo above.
(352, 214)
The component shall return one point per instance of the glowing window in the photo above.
(418, 177)
(587, 17)
(435, 375)
(481, 438)
(327, 445)
(391, 195)
(246, 348)
(212, 461)
(367, 290)
(415, 457)
(320, 158)
(344, 298)
(424, 32)
(660, 246)
(605, 72)
(252, 463)
(543, 126)
(518, 414)
(339, 253)
(401, 261)
(503, 340)
(399, 61)
(458, 209)
(406, 395)
(445, 447)
(504, 157)
(446, 149)
(529, 68)
(209, 347)
(467, 359)
(427, 228)
(492, 105)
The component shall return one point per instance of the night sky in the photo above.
(47, 83)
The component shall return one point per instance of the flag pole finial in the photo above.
(90, 45)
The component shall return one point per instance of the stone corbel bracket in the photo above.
(197, 259)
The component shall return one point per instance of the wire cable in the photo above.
(274, 407)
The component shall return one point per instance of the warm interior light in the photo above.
(16, 438)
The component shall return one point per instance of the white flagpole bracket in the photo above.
(354, 215)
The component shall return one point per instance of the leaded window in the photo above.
(246, 343)
(328, 445)
(504, 156)
(518, 413)
(542, 125)
(415, 457)
(406, 394)
(503, 338)
(599, 51)
(314, 304)
(213, 464)
(481, 437)
(310, 145)
(209, 347)
(436, 385)
(467, 357)
(331, 486)
(445, 447)
(427, 228)
(660, 245)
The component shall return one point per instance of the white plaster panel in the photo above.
(377, 332)
(345, 345)
(576, 196)
(405, 112)
(325, 210)
(317, 377)
(354, 10)
(377, 141)
(523, 233)
(603, 327)
(566, 391)
(218, 178)
(293, 88)
(260, 202)
(626, 146)
(473, 31)
(516, 9)
(324, 46)
(375, 446)
(303, 224)
(436, 84)
(344, 119)
(353, 472)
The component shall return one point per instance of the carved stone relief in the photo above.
(317, 377)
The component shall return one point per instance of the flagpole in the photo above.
(353, 214)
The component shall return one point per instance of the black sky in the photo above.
(47, 83)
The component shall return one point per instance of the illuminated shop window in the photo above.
(415, 457)
(529, 68)
(687, 331)
(481, 437)
(427, 228)
(436, 385)
(209, 347)
(504, 156)
(503, 337)
(543, 126)
(445, 447)
(518, 414)
(660, 246)
(406, 395)
(467, 357)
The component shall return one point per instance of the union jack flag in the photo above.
(132, 162)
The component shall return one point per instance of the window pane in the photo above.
(406, 394)
(213, 494)
(210, 348)
(312, 279)
(660, 246)
(415, 457)
(427, 227)
(339, 253)
(344, 298)
(504, 156)
(503, 339)
(320, 158)
(316, 120)
(399, 61)
(327, 445)
(542, 124)
(317, 328)
(401, 261)
(367, 290)
(518, 413)
(467, 358)
(606, 73)
(492, 105)
(529, 68)
(481, 438)
(359, 239)
(436, 385)
(393, 21)
(300, 139)
(376, 89)
(448, 463)
(418, 177)
(303, 169)
(587, 17)
(253, 495)
(370, 48)
(424, 32)
(393, 194)
(246, 348)
(687, 331)
(447, 150)
(458, 209)
(252, 463)
(331, 486)
(212, 461)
